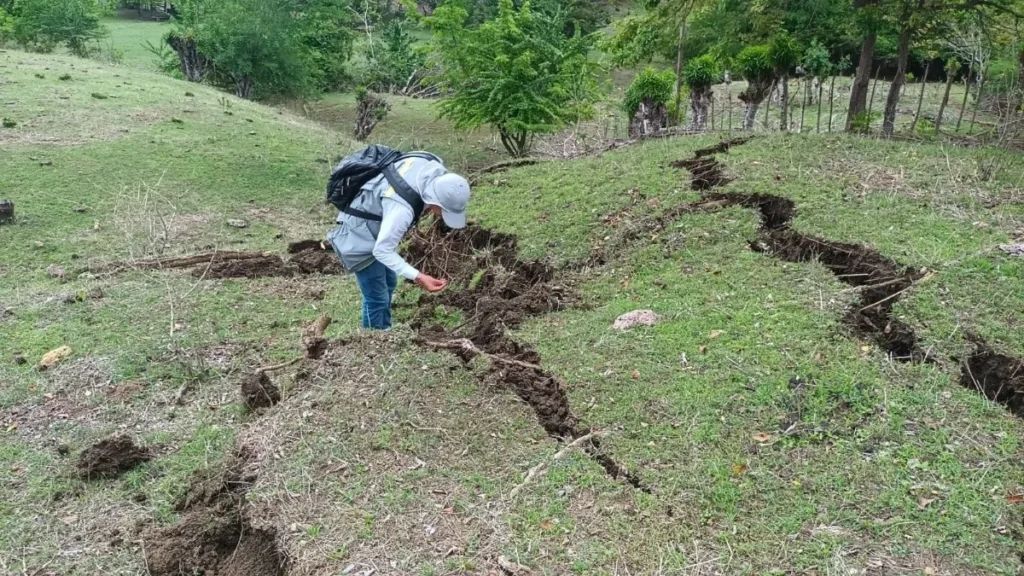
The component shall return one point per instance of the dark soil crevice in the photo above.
(998, 377)
(496, 292)
(309, 260)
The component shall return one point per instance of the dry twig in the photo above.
(539, 468)
(465, 344)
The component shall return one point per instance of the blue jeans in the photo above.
(377, 283)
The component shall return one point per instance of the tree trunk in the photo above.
(967, 92)
(784, 113)
(728, 104)
(920, 97)
(192, 64)
(977, 97)
(680, 63)
(699, 100)
(516, 143)
(859, 91)
(803, 101)
(951, 75)
(821, 86)
(370, 109)
(750, 115)
(243, 87)
(896, 88)
(831, 102)
(768, 105)
(649, 119)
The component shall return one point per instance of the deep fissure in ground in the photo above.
(496, 291)
(882, 282)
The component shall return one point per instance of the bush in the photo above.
(45, 24)
(784, 53)
(816, 61)
(517, 72)
(650, 85)
(701, 72)
(862, 122)
(327, 40)
(6, 27)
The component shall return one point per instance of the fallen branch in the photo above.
(502, 166)
(465, 344)
(895, 294)
(539, 468)
(185, 261)
(273, 367)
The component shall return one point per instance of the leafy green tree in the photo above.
(700, 75)
(646, 101)
(6, 26)
(392, 63)
(755, 64)
(517, 72)
(327, 41)
(45, 24)
(784, 52)
(255, 45)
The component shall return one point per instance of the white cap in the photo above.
(451, 192)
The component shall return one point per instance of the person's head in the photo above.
(447, 198)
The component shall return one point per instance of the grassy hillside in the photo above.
(765, 435)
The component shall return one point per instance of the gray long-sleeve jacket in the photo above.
(359, 242)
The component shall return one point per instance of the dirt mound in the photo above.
(303, 245)
(259, 392)
(110, 457)
(316, 261)
(213, 537)
(999, 377)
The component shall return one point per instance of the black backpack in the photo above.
(358, 168)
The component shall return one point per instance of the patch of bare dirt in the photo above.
(309, 261)
(110, 457)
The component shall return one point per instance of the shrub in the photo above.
(517, 72)
(816, 61)
(702, 72)
(45, 24)
(391, 60)
(754, 63)
(651, 85)
(784, 53)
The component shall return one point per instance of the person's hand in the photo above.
(430, 284)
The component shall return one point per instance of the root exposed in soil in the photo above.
(998, 376)
(259, 392)
(110, 457)
(213, 537)
(496, 291)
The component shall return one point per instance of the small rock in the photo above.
(56, 271)
(636, 318)
(46, 163)
(94, 293)
(6, 211)
(189, 94)
(51, 358)
(177, 120)
(19, 360)
(252, 133)
(81, 209)
(237, 223)
(63, 450)
(38, 244)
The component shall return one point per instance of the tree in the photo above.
(255, 44)
(640, 38)
(391, 62)
(754, 63)
(646, 100)
(869, 21)
(370, 109)
(188, 18)
(700, 75)
(517, 72)
(326, 39)
(785, 54)
(46, 24)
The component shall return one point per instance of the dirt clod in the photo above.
(110, 457)
(303, 245)
(56, 271)
(316, 261)
(259, 392)
(250, 268)
(636, 318)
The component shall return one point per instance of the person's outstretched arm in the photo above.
(395, 223)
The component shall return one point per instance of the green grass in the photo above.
(129, 39)
(390, 453)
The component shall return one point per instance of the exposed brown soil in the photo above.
(303, 245)
(706, 172)
(998, 376)
(213, 537)
(496, 291)
(307, 261)
(259, 392)
(722, 147)
(110, 457)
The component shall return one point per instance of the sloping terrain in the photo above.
(834, 318)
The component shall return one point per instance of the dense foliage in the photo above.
(650, 85)
(702, 72)
(45, 24)
(518, 72)
(391, 60)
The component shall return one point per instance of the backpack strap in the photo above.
(405, 191)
